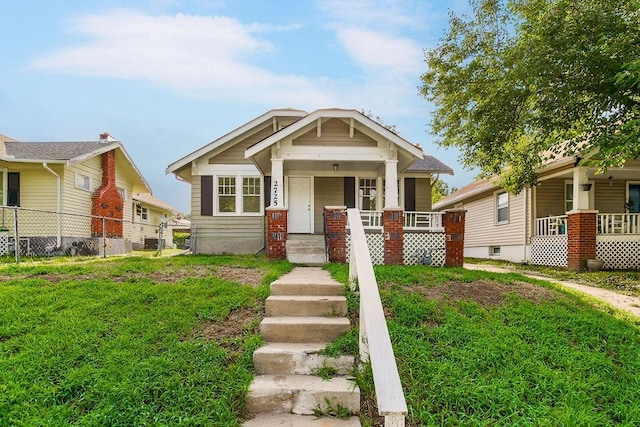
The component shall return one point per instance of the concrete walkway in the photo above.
(623, 302)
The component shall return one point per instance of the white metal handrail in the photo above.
(375, 344)
(551, 226)
(428, 221)
(618, 223)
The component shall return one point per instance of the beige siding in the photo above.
(610, 197)
(224, 234)
(550, 198)
(423, 194)
(334, 132)
(329, 191)
(235, 155)
(480, 218)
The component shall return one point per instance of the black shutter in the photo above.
(350, 191)
(13, 189)
(206, 195)
(267, 191)
(410, 194)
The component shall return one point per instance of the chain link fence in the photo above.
(38, 233)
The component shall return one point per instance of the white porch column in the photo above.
(277, 183)
(391, 184)
(580, 196)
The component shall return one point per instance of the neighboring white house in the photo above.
(301, 162)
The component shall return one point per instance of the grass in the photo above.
(527, 354)
(626, 282)
(129, 341)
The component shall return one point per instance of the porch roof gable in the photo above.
(290, 130)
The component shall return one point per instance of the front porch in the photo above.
(617, 237)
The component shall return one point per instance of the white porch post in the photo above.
(277, 183)
(391, 184)
(580, 197)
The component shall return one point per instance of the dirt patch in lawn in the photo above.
(242, 275)
(484, 292)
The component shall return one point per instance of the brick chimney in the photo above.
(106, 200)
(106, 137)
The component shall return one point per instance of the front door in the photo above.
(300, 215)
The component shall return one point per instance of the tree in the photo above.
(439, 190)
(520, 81)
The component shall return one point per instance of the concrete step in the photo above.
(306, 286)
(303, 329)
(301, 394)
(290, 420)
(298, 359)
(302, 305)
(306, 251)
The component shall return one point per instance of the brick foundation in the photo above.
(581, 238)
(336, 225)
(454, 231)
(107, 202)
(276, 233)
(393, 225)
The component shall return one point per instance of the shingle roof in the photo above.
(54, 150)
(149, 199)
(429, 164)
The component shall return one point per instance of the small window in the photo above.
(226, 194)
(83, 182)
(502, 208)
(494, 250)
(633, 201)
(251, 191)
(367, 193)
(123, 194)
(568, 196)
(142, 212)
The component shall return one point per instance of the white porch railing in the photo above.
(414, 221)
(618, 223)
(375, 344)
(551, 226)
(430, 221)
(371, 220)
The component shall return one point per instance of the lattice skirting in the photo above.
(4, 243)
(549, 250)
(619, 252)
(416, 244)
(375, 241)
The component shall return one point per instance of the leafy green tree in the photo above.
(519, 81)
(440, 189)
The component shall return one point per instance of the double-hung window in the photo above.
(83, 182)
(367, 193)
(226, 194)
(239, 194)
(502, 208)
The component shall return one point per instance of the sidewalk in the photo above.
(623, 302)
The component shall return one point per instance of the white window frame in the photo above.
(258, 195)
(123, 193)
(239, 194)
(142, 212)
(86, 180)
(495, 251)
(568, 193)
(361, 196)
(497, 207)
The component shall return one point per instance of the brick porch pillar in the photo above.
(454, 232)
(276, 233)
(581, 238)
(392, 223)
(336, 223)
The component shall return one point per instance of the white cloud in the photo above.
(203, 55)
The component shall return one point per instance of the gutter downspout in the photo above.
(59, 236)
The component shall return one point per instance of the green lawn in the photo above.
(483, 349)
(168, 341)
(130, 341)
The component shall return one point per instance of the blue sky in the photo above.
(168, 76)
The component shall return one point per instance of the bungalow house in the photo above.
(149, 215)
(58, 186)
(572, 214)
(288, 166)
